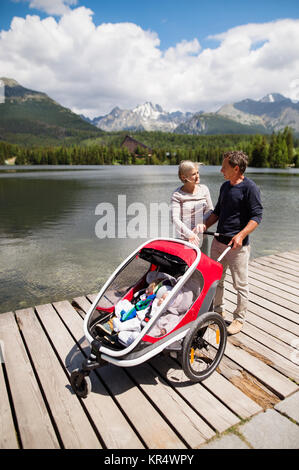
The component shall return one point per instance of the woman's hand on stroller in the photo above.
(200, 228)
(194, 239)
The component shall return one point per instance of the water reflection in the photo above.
(48, 246)
(28, 205)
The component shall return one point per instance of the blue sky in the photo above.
(189, 55)
(173, 20)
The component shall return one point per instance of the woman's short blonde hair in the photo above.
(185, 166)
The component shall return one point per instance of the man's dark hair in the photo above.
(237, 158)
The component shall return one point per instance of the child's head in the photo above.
(163, 293)
(161, 299)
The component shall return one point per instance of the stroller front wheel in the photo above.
(204, 346)
(80, 383)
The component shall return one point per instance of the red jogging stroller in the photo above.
(181, 322)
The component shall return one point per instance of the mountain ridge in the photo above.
(147, 116)
(32, 117)
(271, 113)
(274, 112)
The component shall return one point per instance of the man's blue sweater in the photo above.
(236, 206)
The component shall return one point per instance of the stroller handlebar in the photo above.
(224, 253)
(216, 234)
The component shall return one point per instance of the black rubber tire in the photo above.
(195, 339)
(80, 383)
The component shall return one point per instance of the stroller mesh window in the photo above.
(121, 284)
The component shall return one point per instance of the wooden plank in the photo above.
(280, 264)
(83, 303)
(190, 426)
(126, 393)
(283, 350)
(8, 437)
(106, 416)
(271, 329)
(34, 424)
(286, 272)
(74, 427)
(91, 297)
(274, 350)
(265, 293)
(263, 326)
(278, 295)
(212, 410)
(293, 252)
(156, 433)
(275, 282)
(294, 256)
(269, 272)
(267, 375)
(267, 304)
(288, 257)
(274, 298)
(274, 287)
(262, 352)
(286, 261)
(264, 313)
(231, 396)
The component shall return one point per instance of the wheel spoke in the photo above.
(204, 346)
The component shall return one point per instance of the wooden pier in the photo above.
(151, 406)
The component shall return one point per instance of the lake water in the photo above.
(49, 248)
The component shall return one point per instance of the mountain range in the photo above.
(33, 118)
(271, 113)
(145, 117)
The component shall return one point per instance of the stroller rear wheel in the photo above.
(80, 383)
(204, 346)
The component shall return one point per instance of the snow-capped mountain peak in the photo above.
(148, 111)
(273, 112)
(146, 116)
(273, 98)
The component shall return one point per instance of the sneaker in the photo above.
(235, 327)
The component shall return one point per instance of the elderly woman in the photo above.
(191, 205)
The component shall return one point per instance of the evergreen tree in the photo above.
(259, 154)
(288, 136)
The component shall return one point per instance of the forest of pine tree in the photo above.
(278, 150)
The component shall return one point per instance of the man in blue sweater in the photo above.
(238, 213)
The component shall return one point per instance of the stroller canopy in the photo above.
(176, 249)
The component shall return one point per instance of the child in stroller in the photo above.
(128, 323)
(183, 321)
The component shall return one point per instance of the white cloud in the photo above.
(93, 68)
(52, 7)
